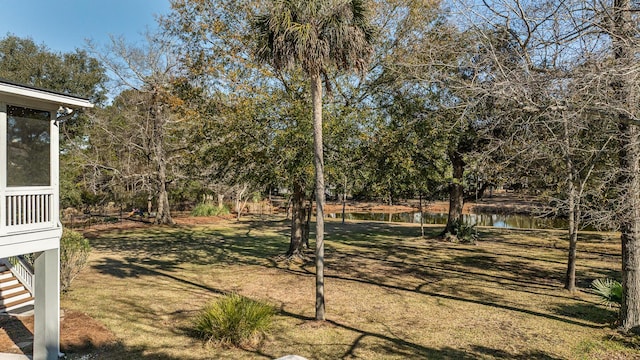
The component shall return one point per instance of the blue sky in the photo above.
(63, 25)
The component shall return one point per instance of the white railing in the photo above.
(21, 270)
(28, 208)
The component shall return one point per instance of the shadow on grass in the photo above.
(120, 351)
(193, 245)
(399, 347)
(390, 346)
(543, 270)
(418, 259)
(524, 271)
(557, 239)
(161, 251)
(408, 262)
(590, 312)
(128, 268)
(629, 340)
(501, 354)
(395, 345)
(485, 301)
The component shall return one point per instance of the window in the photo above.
(28, 147)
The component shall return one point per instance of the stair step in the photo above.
(15, 304)
(5, 289)
(4, 296)
(13, 298)
(11, 289)
(13, 295)
(4, 283)
(6, 274)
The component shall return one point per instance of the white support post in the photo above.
(55, 168)
(46, 342)
(3, 165)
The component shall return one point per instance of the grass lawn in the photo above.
(390, 293)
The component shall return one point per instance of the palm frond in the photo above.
(315, 34)
(609, 290)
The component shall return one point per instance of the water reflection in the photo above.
(492, 220)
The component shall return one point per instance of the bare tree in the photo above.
(591, 45)
(147, 74)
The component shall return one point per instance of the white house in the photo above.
(29, 197)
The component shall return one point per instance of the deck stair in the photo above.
(14, 297)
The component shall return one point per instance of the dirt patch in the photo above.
(180, 220)
(200, 220)
(94, 230)
(78, 333)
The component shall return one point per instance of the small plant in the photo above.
(467, 234)
(234, 320)
(463, 233)
(204, 209)
(609, 291)
(74, 253)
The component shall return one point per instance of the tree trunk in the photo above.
(482, 190)
(456, 193)
(318, 162)
(163, 215)
(570, 278)
(630, 226)
(421, 217)
(344, 199)
(288, 208)
(307, 222)
(574, 210)
(238, 207)
(240, 203)
(296, 242)
(629, 180)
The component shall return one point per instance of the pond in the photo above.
(513, 221)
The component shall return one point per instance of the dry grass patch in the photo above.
(390, 293)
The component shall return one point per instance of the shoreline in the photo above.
(500, 203)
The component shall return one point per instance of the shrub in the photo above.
(463, 233)
(74, 253)
(609, 291)
(234, 320)
(203, 209)
(466, 233)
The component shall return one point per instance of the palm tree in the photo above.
(315, 35)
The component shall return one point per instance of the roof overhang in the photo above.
(42, 95)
